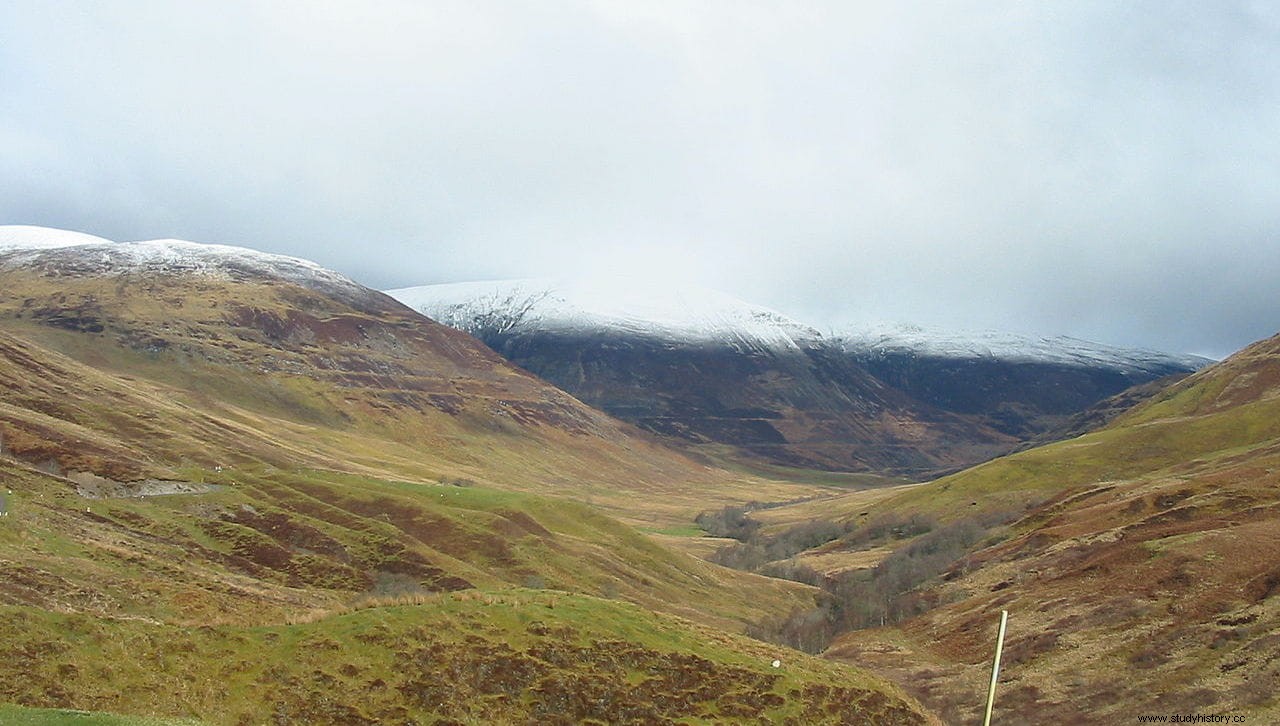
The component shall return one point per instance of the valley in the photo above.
(606, 363)
(1137, 563)
(244, 489)
(349, 465)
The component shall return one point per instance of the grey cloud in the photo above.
(1105, 170)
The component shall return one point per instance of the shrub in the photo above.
(731, 522)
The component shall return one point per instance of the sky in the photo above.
(1106, 170)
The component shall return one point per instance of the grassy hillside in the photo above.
(276, 544)
(1144, 582)
(262, 593)
(1227, 409)
(84, 403)
(237, 499)
(471, 657)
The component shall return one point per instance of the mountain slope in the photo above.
(214, 394)
(1021, 386)
(310, 361)
(1143, 581)
(705, 368)
(468, 657)
(200, 436)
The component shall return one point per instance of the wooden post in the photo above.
(995, 668)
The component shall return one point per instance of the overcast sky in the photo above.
(1105, 170)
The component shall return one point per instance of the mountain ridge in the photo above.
(730, 374)
(677, 315)
(705, 368)
(1057, 349)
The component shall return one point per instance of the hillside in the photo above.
(708, 370)
(207, 451)
(492, 658)
(222, 352)
(1025, 387)
(1139, 565)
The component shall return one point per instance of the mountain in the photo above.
(1104, 412)
(1022, 386)
(240, 484)
(277, 334)
(1138, 564)
(702, 367)
(676, 315)
(707, 369)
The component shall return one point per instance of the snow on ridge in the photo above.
(674, 313)
(46, 248)
(1061, 350)
(699, 315)
(21, 236)
(686, 314)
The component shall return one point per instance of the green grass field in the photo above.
(482, 657)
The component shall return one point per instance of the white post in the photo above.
(995, 668)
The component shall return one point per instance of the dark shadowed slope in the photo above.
(1025, 387)
(703, 368)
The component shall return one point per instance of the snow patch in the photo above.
(900, 338)
(679, 314)
(56, 251)
(18, 236)
(694, 315)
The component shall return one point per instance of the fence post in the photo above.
(995, 668)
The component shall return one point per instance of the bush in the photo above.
(803, 536)
(731, 522)
(890, 527)
(792, 570)
(740, 556)
(883, 595)
(808, 630)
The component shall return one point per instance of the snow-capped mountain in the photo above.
(678, 315)
(899, 338)
(19, 236)
(253, 317)
(708, 368)
(62, 252)
(1024, 386)
(681, 361)
(705, 366)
